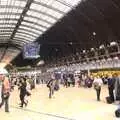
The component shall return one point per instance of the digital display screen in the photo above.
(31, 51)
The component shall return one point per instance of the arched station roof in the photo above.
(23, 21)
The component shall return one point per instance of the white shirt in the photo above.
(98, 80)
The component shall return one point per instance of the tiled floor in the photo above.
(67, 104)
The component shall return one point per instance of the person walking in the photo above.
(51, 85)
(117, 88)
(5, 93)
(23, 92)
(111, 85)
(97, 86)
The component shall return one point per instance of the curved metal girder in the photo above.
(19, 40)
(25, 26)
(11, 6)
(7, 24)
(30, 31)
(3, 37)
(25, 36)
(65, 3)
(47, 6)
(4, 45)
(14, 19)
(43, 13)
(38, 18)
(6, 28)
(5, 31)
(35, 24)
(21, 43)
(9, 13)
(28, 40)
(22, 36)
(24, 33)
(31, 28)
(18, 7)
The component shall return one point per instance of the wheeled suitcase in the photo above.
(117, 112)
(108, 100)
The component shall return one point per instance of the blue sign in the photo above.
(31, 51)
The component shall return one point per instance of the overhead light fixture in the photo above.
(84, 51)
(109, 59)
(113, 43)
(116, 58)
(97, 61)
(94, 33)
(103, 60)
(101, 47)
(92, 49)
(41, 62)
(70, 43)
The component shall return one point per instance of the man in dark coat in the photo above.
(111, 86)
(117, 87)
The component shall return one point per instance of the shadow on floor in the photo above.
(46, 114)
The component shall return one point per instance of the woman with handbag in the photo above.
(5, 93)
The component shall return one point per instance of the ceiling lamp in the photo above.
(94, 33)
(101, 47)
(84, 51)
(116, 58)
(109, 59)
(41, 62)
(103, 60)
(97, 61)
(113, 43)
(92, 49)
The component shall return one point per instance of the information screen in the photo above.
(31, 51)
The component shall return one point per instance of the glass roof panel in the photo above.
(39, 16)
(46, 1)
(34, 30)
(6, 29)
(7, 25)
(10, 21)
(19, 42)
(27, 32)
(21, 3)
(42, 23)
(24, 38)
(10, 10)
(22, 34)
(54, 13)
(5, 33)
(61, 6)
(1, 35)
(34, 22)
(9, 16)
(30, 22)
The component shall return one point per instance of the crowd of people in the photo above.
(56, 79)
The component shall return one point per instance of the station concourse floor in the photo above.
(67, 104)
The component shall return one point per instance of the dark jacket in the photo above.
(23, 88)
(111, 83)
